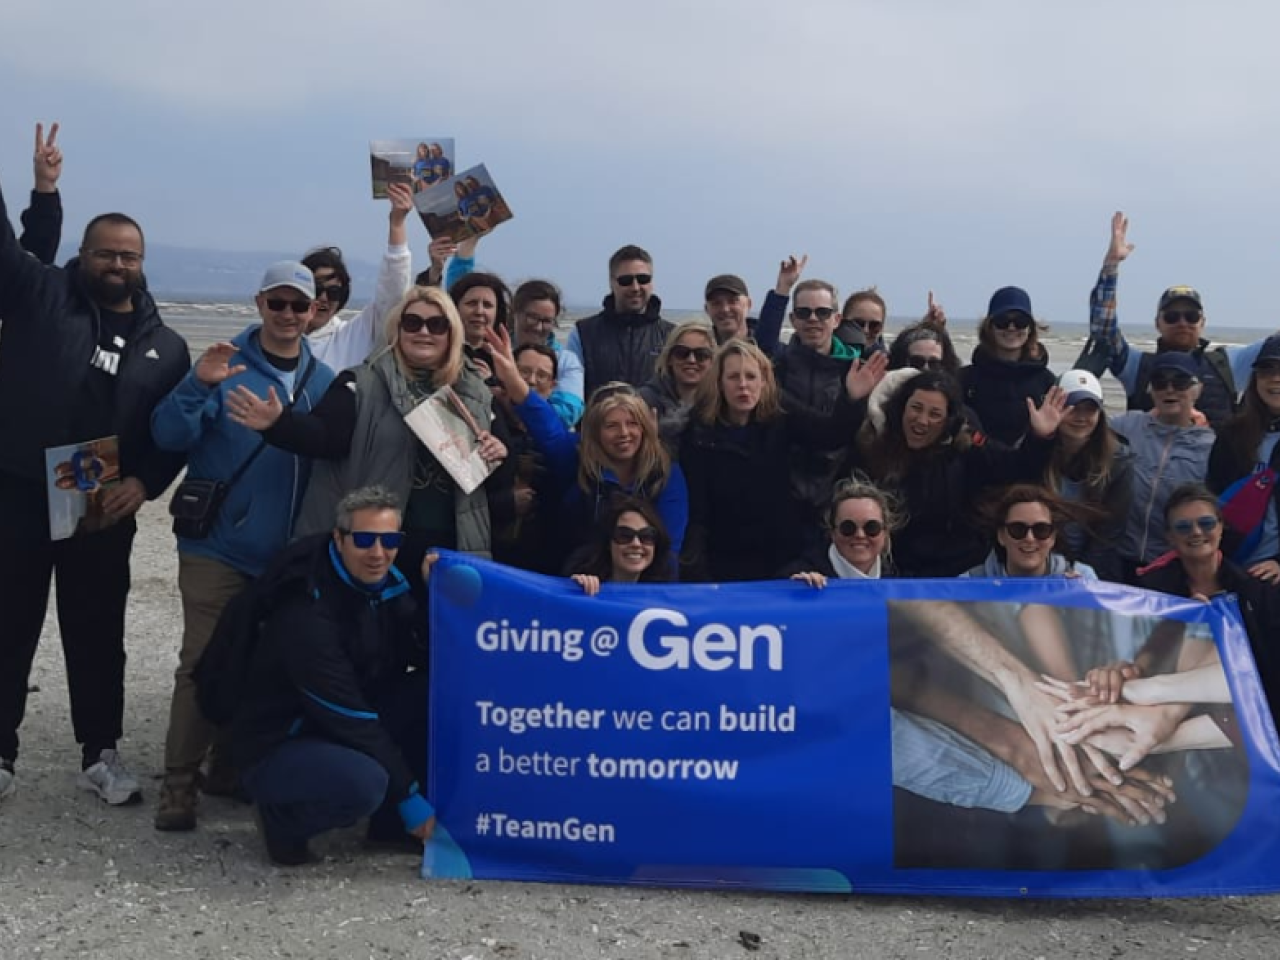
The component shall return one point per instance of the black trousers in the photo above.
(93, 588)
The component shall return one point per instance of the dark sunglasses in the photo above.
(849, 528)
(298, 307)
(682, 353)
(1185, 528)
(1018, 530)
(623, 535)
(1180, 316)
(1019, 321)
(1179, 382)
(365, 539)
(805, 313)
(436, 326)
(869, 326)
(332, 292)
(924, 363)
(630, 279)
(1267, 368)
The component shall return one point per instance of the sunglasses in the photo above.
(806, 313)
(1178, 382)
(1267, 368)
(365, 539)
(1205, 524)
(631, 279)
(623, 535)
(868, 326)
(924, 363)
(1019, 321)
(849, 528)
(1018, 530)
(682, 353)
(298, 307)
(332, 292)
(1180, 316)
(436, 326)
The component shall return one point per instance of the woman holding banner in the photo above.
(743, 515)
(918, 445)
(861, 520)
(631, 546)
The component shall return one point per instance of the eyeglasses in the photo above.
(849, 528)
(631, 279)
(1019, 321)
(924, 363)
(681, 353)
(1180, 316)
(1185, 528)
(332, 292)
(127, 258)
(437, 325)
(872, 327)
(805, 313)
(537, 376)
(297, 307)
(365, 539)
(613, 389)
(1178, 381)
(540, 322)
(623, 535)
(1018, 530)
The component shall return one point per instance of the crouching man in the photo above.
(332, 725)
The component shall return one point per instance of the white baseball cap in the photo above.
(1081, 385)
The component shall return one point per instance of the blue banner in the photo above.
(894, 736)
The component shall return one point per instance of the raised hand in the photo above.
(789, 274)
(249, 410)
(47, 160)
(214, 365)
(401, 197)
(865, 375)
(504, 363)
(1120, 246)
(935, 314)
(1045, 418)
(440, 250)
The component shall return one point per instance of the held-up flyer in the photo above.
(76, 476)
(869, 737)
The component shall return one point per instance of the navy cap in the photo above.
(1270, 351)
(1009, 300)
(1175, 361)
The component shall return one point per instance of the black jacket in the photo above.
(622, 346)
(327, 652)
(744, 518)
(997, 391)
(659, 393)
(42, 226)
(1259, 609)
(50, 333)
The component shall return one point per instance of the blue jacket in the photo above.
(257, 518)
(578, 509)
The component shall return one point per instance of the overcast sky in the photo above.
(913, 144)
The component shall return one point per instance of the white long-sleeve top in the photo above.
(343, 344)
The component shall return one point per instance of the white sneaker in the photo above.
(111, 780)
(8, 780)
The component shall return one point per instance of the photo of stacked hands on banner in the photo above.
(627, 447)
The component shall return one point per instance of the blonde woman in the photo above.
(357, 434)
(684, 361)
(615, 453)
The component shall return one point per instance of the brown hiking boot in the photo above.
(178, 799)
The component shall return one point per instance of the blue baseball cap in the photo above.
(1174, 361)
(1009, 300)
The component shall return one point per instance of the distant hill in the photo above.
(180, 273)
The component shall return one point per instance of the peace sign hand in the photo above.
(789, 274)
(47, 160)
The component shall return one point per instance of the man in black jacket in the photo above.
(84, 355)
(622, 341)
(332, 725)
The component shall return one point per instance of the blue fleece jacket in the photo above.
(257, 518)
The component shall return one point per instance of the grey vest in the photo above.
(383, 450)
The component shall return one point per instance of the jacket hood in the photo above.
(652, 312)
(993, 366)
(993, 567)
